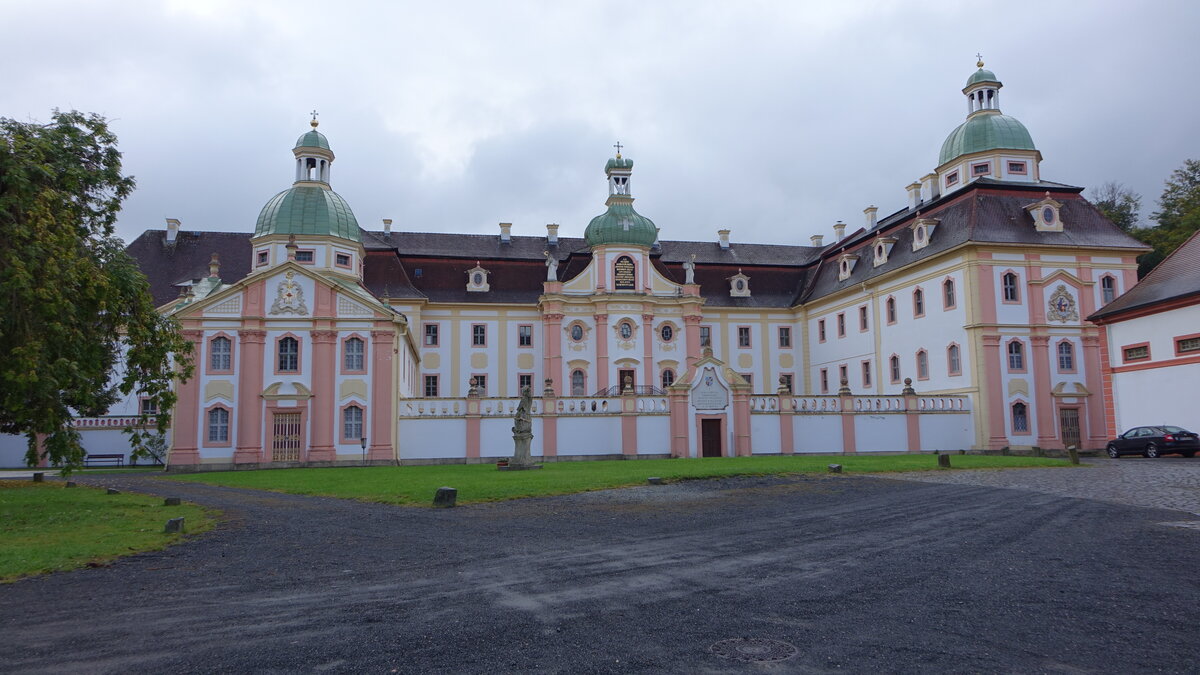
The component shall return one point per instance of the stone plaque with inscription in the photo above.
(709, 393)
(624, 274)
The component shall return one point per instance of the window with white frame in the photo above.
(1016, 356)
(1066, 356)
(431, 386)
(353, 352)
(218, 425)
(220, 354)
(352, 422)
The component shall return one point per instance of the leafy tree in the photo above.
(1177, 217)
(1119, 204)
(78, 327)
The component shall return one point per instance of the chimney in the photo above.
(387, 227)
(552, 234)
(214, 267)
(839, 231)
(929, 187)
(505, 233)
(172, 230)
(724, 238)
(870, 212)
(817, 239)
(914, 194)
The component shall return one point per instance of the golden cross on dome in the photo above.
(979, 61)
(314, 121)
(618, 146)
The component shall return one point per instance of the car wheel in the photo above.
(1112, 452)
(1151, 451)
(1189, 454)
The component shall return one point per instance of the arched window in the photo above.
(918, 303)
(668, 377)
(891, 310)
(1016, 356)
(352, 356)
(1020, 417)
(1108, 289)
(352, 422)
(894, 367)
(218, 425)
(922, 365)
(1066, 357)
(578, 383)
(1009, 285)
(953, 360)
(220, 354)
(948, 294)
(289, 355)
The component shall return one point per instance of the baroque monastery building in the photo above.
(957, 322)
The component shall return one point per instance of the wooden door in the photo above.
(285, 437)
(1068, 424)
(710, 438)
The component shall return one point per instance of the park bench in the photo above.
(117, 459)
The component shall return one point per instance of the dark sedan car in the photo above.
(1154, 441)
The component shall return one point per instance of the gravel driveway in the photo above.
(842, 573)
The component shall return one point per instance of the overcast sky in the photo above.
(774, 119)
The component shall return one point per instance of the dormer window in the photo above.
(1046, 215)
(846, 265)
(739, 285)
(882, 248)
(922, 230)
(305, 257)
(342, 259)
(264, 257)
(1017, 168)
(981, 169)
(477, 279)
(951, 178)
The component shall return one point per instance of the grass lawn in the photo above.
(45, 527)
(483, 483)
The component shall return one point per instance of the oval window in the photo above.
(576, 332)
(667, 333)
(478, 278)
(626, 331)
(741, 285)
(1047, 215)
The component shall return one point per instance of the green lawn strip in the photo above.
(45, 527)
(483, 483)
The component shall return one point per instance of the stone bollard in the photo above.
(113, 491)
(39, 477)
(174, 526)
(1073, 453)
(71, 483)
(655, 480)
(171, 501)
(445, 497)
(943, 461)
(835, 468)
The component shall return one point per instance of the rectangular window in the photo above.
(220, 350)
(1108, 289)
(431, 386)
(981, 169)
(1017, 168)
(1187, 345)
(431, 335)
(841, 324)
(1136, 352)
(785, 382)
(922, 365)
(524, 380)
(305, 257)
(218, 425)
(1066, 357)
(862, 317)
(525, 335)
(821, 330)
(1020, 418)
(289, 355)
(353, 355)
(147, 407)
(1016, 356)
(478, 335)
(824, 381)
(951, 178)
(705, 336)
(341, 260)
(743, 333)
(894, 362)
(481, 384)
(352, 422)
(785, 337)
(264, 257)
(843, 375)
(891, 310)
(1009, 285)
(866, 373)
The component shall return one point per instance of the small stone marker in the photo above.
(655, 480)
(1073, 453)
(70, 483)
(174, 526)
(943, 461)
(113, 491)
(39, 477)
(171, 501)
(445, 497)
(835, 468)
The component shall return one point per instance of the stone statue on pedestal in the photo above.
(522, 434)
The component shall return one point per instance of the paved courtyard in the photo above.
(838, 573)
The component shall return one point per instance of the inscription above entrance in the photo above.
(710, 393)
(624, 274)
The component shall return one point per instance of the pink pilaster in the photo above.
(993, 392)
(691, 326)
(1036, 292)
(383, 415)
(787, 440)
(648, 355)
(249, 412)
(549, 424)
(1046, 424)
(849, 438)
(1095, 403)
(1110, 405)
(185, 423)
(912, 419)
(679, 423)
(741, 421)
(629, 440)
(473, 425)
(602, 338)
(323, 342)
(987, 291)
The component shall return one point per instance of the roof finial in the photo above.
(979, 61)
(618, 146)
(314, 121)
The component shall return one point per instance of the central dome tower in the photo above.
(620, 224)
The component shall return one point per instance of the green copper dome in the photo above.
(307, 210)
(985, 131)
(619, 163)
(313, 139)
(981, 75)
(620, 225)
